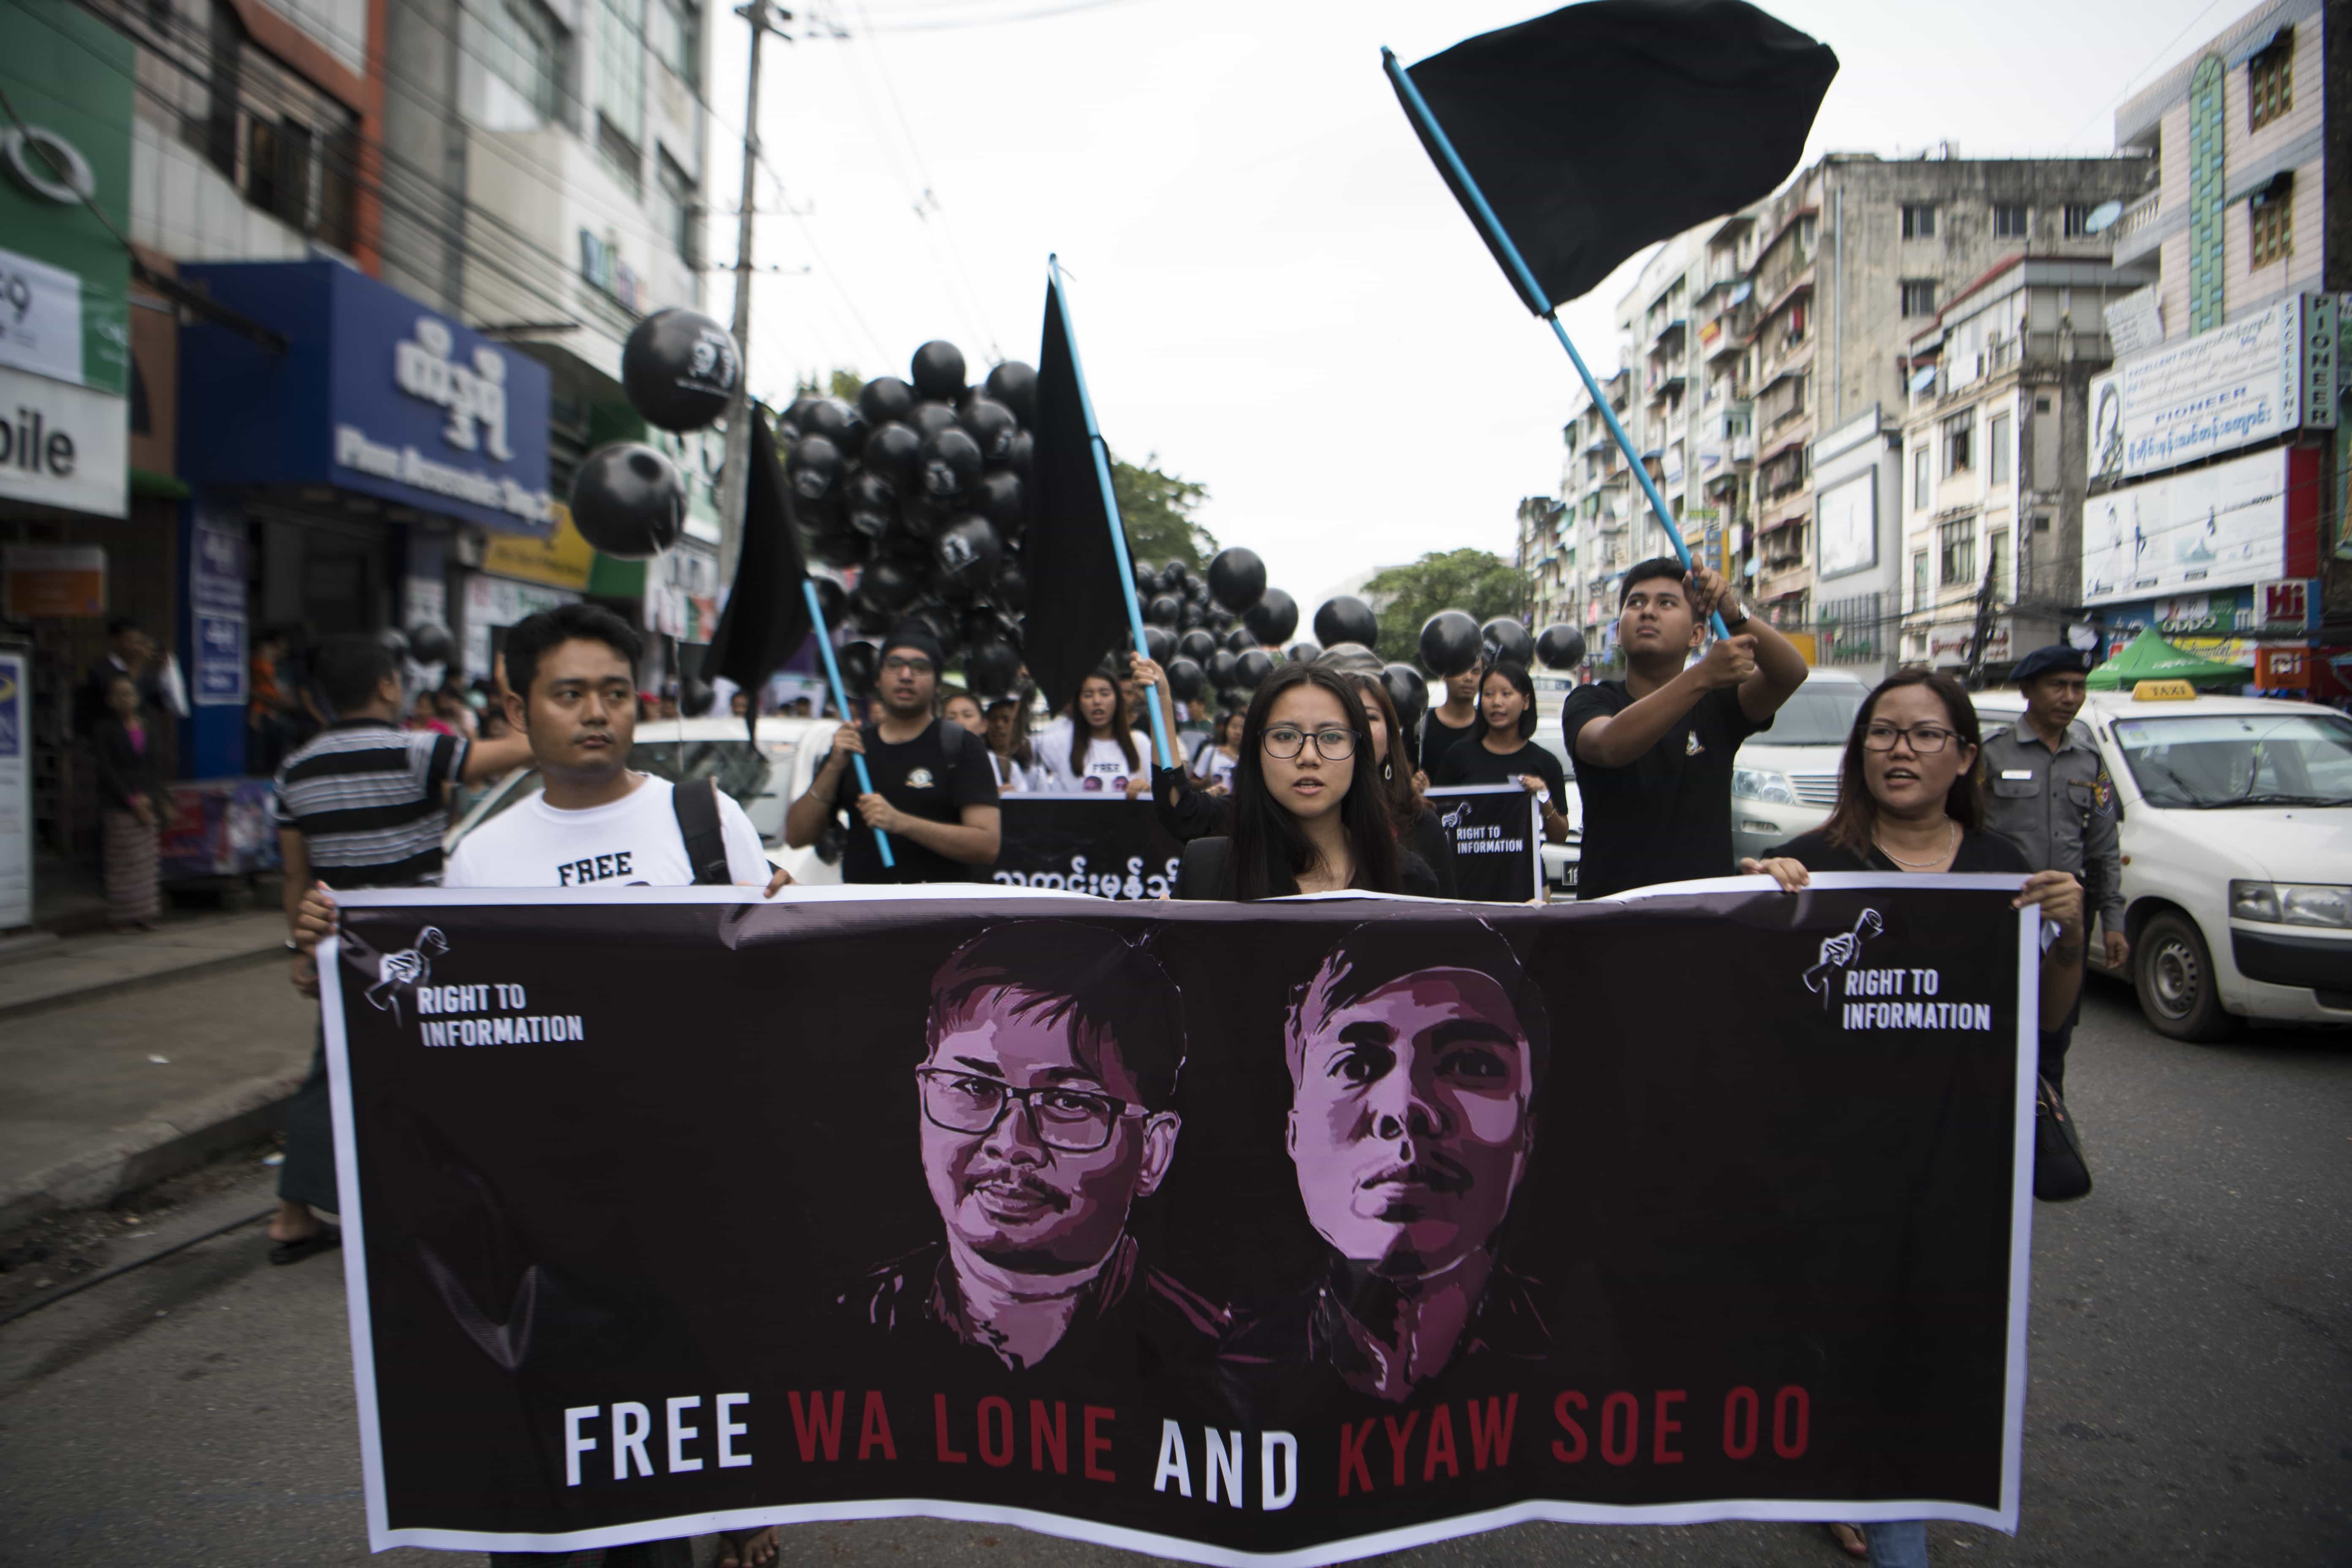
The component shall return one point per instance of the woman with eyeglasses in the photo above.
(1501, 748)
(1910, 800)
(1308, 814)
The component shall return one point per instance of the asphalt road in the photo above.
(2191, 1396)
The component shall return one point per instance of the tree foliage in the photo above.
(1158, 510)
(1478, 581)
(844, 383)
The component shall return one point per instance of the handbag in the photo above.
(2059, 1172)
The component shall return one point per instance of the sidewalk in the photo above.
(131, 1057)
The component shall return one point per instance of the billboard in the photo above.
(2237, 385)
(2219, 527)
(1849, 523)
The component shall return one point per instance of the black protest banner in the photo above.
(1102, 1219)
(1082, 844)
(1497, 841)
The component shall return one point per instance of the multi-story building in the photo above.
(2227, 534)
(1541, 558)
(1993, 441)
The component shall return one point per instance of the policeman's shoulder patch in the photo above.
(2103, 793)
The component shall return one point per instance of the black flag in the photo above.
(1605, 127)
(767, 616)
(1078, 599)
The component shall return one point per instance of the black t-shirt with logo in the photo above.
(919, 779)
(1666, 815)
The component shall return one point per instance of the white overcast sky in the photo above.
(1272, 289)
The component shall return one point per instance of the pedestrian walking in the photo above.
(1502, 749)
(361, 804)
(1653, 751)
(1306, 818)
(131, 808)
(2048, 791)
(934, 793)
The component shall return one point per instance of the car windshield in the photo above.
(754, 775)
(1817, 715)
(2206, 760)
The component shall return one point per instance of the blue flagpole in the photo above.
(841, 700)
(1418, 106)
(1110, 505)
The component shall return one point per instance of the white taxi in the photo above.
(2237, 851)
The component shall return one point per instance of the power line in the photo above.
(2143, 70)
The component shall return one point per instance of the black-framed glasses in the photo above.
(1283, 742)
(1073, 1121)
(1925, 739)
(907, 667)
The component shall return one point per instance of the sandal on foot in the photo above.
(325, 1238)
(1849, 1538)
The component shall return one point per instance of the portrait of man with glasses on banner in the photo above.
(1045, 1096)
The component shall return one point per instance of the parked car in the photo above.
(1784, 781)
(763, 779)
(2237, 852)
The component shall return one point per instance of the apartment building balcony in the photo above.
(1727, 335)
(1665, 379)
(2138, 233)
(1667, 336)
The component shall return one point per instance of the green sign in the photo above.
(65, 277)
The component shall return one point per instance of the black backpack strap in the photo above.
(696, 801)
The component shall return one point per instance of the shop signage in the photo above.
(1849, 534)
(1952, 639)
(2287, 603)
(54, 581)
(63, 445)
(562, 560)
(216, 604)
(40, 318)
(2223, 526)
(374, 394)
(2282, 669)
(2233, 386)
(601, 264)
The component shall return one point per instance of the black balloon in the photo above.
(814, 467)
(1186, 680)
(1015, 384)
(1196, 646)
(679, 369)
(950, 463)
(1347, 620)
(889, 584)
(992, 424)
(794, 412)
(929, 418)
(991, 667)
(1273, 618)
(867, 500)
(430, 643)
(840, 546)
(969, 553)
(1236, 578)
(1162, 610)
(1158, 645)
(1002, 497)
(828, 417)
(858, 662)
(885, 397)
(937, 371)
(924, 515)
(1560, 647)
(694, 697)
(395, 641)
(1025, 447)
(1239, 640)
(892, 450)
(1505, 641)
(1172, 577)
(629, 500)
(1408, 692)
(831, 596)
(1450, 643)
(1251, 668)
(1012, 589)
(868, 618)
(1304, 653)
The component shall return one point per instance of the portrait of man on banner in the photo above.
(1046, 1101)
(1414, 1059)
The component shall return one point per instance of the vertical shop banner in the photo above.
(216, 653)
(1498, 833)
(1082, 844)
(611, 1278)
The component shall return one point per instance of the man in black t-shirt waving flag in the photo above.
(934, 793)
(1653, 751)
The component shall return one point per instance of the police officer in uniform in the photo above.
(2048, 791)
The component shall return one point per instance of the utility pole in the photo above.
(764, 19)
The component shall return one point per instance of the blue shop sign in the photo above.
(375, 393)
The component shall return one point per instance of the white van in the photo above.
(2237, 851)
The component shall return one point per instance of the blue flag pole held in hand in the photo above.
(1159, 740)
(1523, 276)
(841, 700)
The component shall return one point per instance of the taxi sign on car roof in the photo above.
(2164, 691)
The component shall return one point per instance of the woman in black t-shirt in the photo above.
(1909, 799)
(1501, 749)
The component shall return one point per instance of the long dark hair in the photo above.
(1516, 674)
(1397, 769)
(1855, 823)
(1122, 730)
(1267, 840)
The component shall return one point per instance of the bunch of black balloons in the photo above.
(679, 369)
